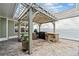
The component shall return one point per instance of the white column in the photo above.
(39, 27)
(14, 27)
(19, 29)
(53, 26)
(30, 25)
(7, 28)
(25, 27)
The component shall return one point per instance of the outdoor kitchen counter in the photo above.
(54, 37)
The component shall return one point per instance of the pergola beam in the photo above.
(35, 14)
(24, 16)
(43, 22)
(38, 8)
(24, 12)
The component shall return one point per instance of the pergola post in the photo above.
(53, 26)
(7, 28)
(25, 27)
(30, 30)
(39, 27)
(19, 29)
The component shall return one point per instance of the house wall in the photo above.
(2, 27)
(3, 30)
(11, 28)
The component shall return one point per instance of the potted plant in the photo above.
(25, 42)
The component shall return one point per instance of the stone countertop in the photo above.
(51, 33)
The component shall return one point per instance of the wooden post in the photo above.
(25, 27)
(30, 30)
(19, 29)
(39, 27)
(7, 28)
(53, 26)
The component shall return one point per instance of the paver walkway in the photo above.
(40, 48)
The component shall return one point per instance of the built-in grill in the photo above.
(42, 35)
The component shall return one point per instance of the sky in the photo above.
(57, 7)
(52, 7)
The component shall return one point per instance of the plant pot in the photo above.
(25, 43)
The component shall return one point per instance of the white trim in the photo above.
(13, 37)
(2, 17)
(7, 28)
(72, 39)
(12, 19)
(9, 18)
(3, 39)
(14, 27)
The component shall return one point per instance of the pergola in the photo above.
(36, 14)
(32, 12)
